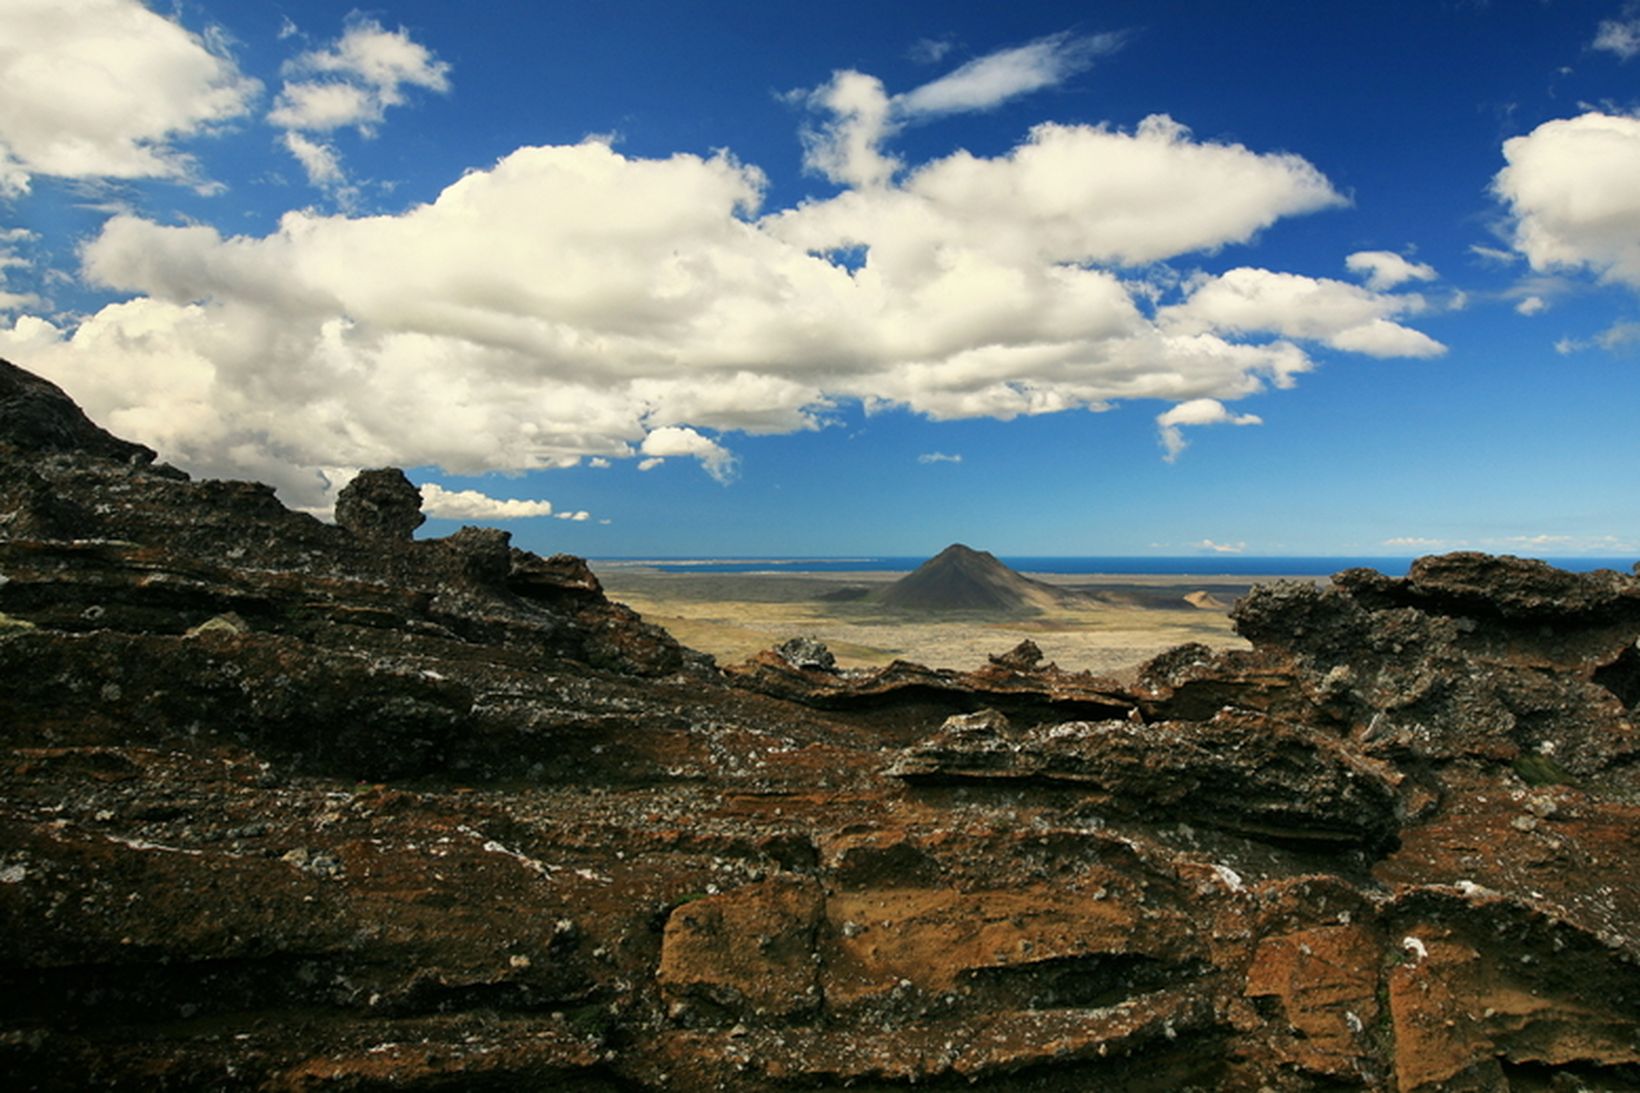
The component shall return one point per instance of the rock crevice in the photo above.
(290, 805)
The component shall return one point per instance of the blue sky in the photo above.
(679, 279)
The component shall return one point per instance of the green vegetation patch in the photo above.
(1540, 770)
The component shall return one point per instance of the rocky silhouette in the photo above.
(960, 578)
(281, 809)
(380, 504)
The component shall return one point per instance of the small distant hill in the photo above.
(960, 578)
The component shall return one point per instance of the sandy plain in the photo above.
(734, 615)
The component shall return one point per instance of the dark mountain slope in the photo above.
(960, 578)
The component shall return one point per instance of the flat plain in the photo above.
(1125, 619)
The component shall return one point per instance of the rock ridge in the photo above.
(290, 805)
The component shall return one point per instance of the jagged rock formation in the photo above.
(806, 653)
(281, 809)
(960, 578)
(380, 504)
(37, 417)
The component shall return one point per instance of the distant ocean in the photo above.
(1214, 565)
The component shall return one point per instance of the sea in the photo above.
(1212, 565)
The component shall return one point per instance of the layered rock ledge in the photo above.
(292, 805)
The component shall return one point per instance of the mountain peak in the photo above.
(960, 578)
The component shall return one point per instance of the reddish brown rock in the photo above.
(750, 954)
(280, 809)
(1324, 981)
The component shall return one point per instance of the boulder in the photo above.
(380, 505)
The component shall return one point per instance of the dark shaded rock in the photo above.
(535, 577)
(283, 809)
(36, 416)
(482, 554)
(1044, 693)
(1467, 656)
(318, 711)
(1469, 583)
(1024, 657)
(1239, 771)
(381, 505)
(807, 654)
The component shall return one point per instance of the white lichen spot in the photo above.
(1417, 948)
(13, 874)
(1231, 879)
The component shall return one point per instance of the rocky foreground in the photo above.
(286, 805)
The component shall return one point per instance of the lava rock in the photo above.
(380, 505)
(807, 654)
(37, 416)
(284, 809)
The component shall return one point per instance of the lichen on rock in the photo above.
(285, 809)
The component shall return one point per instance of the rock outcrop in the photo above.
(283, 809)
(380, 504)
(36, 417)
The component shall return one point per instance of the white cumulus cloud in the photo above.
(846, 147)
(321, 162)
(1335, 313)
(104, 89)
(1570, 189)
(476, 505)
(350, 83)
(571, 304)
(1532, 305)
(675, 440)
(1385, 269)
(10, 238)
(1199, 411)
(940, 457)
(324, 106)
(1220, 548)
(1074, 193)
(356, 79)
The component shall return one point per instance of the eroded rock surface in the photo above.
(380, 504)
(283, 809)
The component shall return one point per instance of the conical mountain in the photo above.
(960, 578)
